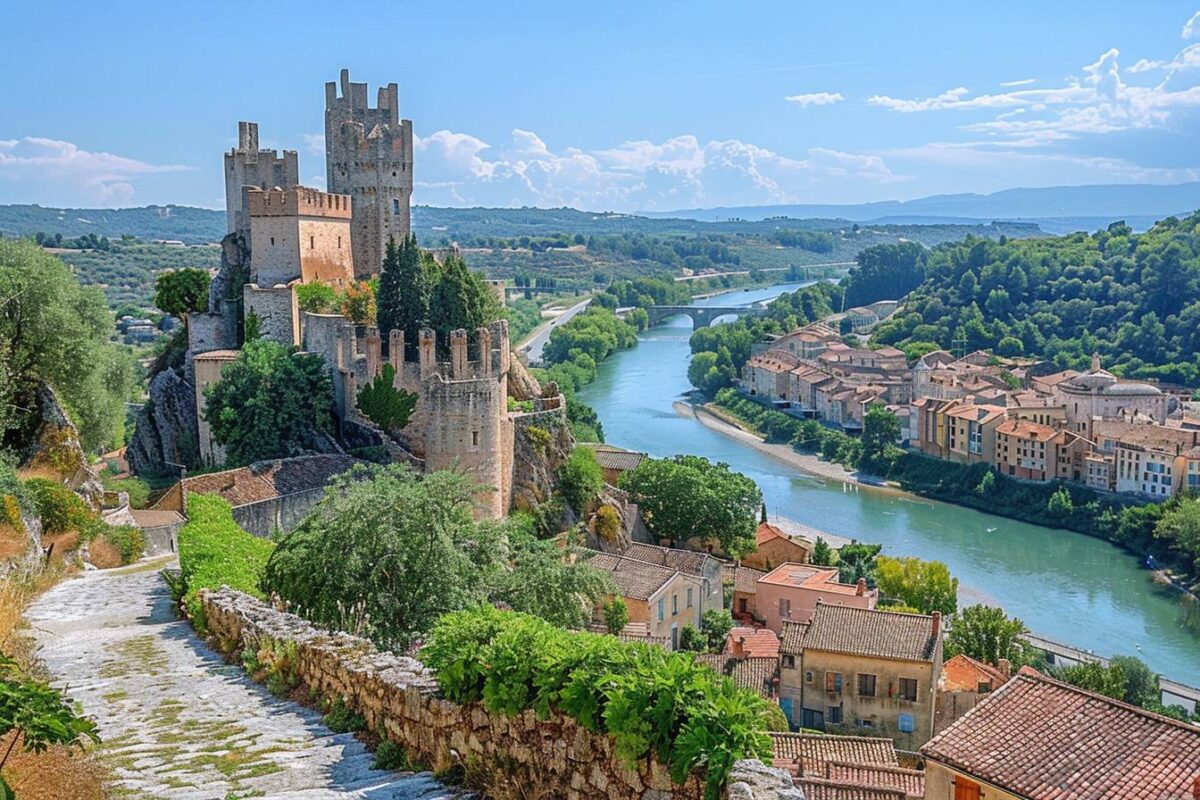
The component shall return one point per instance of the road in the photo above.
(532, 348)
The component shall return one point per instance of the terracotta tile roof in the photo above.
(791, 639)
(874, 633)
(814, 750)
(823, 579)
(756, 673)
(265, 480)
(964, 674)
(1026, 429)
(689, 562)
(977, 413)
(149, 518)
(909, 781)
(1046, 740)
(634, 579)
(744, 579)
(1154, 437)
(218, 355)
(616, 458)
(752, 642)
(821, 789)
(1056, 378)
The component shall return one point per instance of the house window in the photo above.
(689, 597)
(866, 723)
(835, 715)
(983, 687)
(789, 662)
(808, 677)
(908, 689)
(662, 610)
(674, 604)
(785, 607)
(833, 681)
(866, 685)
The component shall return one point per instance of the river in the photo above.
(1065, 586)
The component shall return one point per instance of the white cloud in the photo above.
(1192, 27)
(314, 143)
(461, 169)
(1022, 82)
(102, 178)
(815, 99)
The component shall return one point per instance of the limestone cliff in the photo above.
(542, 442)
(54, 448)
(166, 427)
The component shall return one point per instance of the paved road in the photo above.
(180, 724)
(534, 344)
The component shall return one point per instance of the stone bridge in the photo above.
(702, 316)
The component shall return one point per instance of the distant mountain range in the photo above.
(1057, 209)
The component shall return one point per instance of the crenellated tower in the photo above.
(248, 166)
(369, 156)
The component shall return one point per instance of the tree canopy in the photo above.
(459, 299)
(181, 291)
(986, 634)
(54, 331)
(404, 291)
(270, 403)
(686, 497)
(387, 551)
(923, 585)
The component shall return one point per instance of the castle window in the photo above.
(272, 241)
(312, 242)
(339, 243)
(396, 206)
(475, 438)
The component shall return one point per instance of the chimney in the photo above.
(1005, 667)
(862, 587)
(739, 646)
(937, 623)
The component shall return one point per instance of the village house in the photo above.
(774, 547)
(615, 461)
(759, 674)
(766, 375)
(958, 430)
(704, 568)
(793, 591)
(808, 342)
(1036, 738)
(964, 682)
(866, 668)
(1147, 459)
(744, 583)
(746, 641)
(663, 598)
(1031, 450)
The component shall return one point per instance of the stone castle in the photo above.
(282, 235)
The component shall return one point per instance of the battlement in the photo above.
(247, 165)
(297, 201)
(491, 350)
(353, 102)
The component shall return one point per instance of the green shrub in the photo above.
(580, 479)
(340, 719)
(650, 701)
(390, 756)
(60, 509)
(215, 552)
(128, 541)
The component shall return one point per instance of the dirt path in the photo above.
(180, 724)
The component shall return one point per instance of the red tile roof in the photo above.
(752, 642)
(823, 579)
(821, 789)
(814, 750)
(909, 781)
(1046, 740)
(964, 674)
(744, 579)
(873, 633)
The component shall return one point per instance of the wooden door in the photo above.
(965, 788)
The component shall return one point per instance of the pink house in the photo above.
(791, 591)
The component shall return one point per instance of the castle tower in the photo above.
(246, 166)
(369, 156)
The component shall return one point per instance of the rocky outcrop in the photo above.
(628, 519)
(754, 780)
(166, 427)
(54, 446)
(521, 383)
(542, 442)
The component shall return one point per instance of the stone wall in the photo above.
(398, 695)
(284, 512)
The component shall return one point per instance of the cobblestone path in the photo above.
(180, 724)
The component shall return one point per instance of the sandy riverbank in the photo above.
(802, 462)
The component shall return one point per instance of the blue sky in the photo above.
(610, 106)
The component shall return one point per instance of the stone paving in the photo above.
(177, 722)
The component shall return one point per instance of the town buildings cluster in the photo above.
(1014, 414)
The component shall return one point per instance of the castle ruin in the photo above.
(283, 235)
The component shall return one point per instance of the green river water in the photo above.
(1065, 586)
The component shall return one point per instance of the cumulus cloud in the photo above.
(314, 143)
(1098, 100)
(815, 99)
(461, 169)
(95, 177)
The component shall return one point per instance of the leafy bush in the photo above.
(316, 298)
(390, 756)
(580, 479)
(616, 615)
(650, 701)
(340, 719)
(385, 405)
(215, 552)
(128, 541)
(60, 509)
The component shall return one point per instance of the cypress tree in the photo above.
(404, 291)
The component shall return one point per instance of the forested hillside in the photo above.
(1133, 298)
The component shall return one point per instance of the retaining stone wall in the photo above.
(398, 695)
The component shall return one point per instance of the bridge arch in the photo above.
(701, 316)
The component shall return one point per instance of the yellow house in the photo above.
(1039, 739)
(864, 669)
(664, 599)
